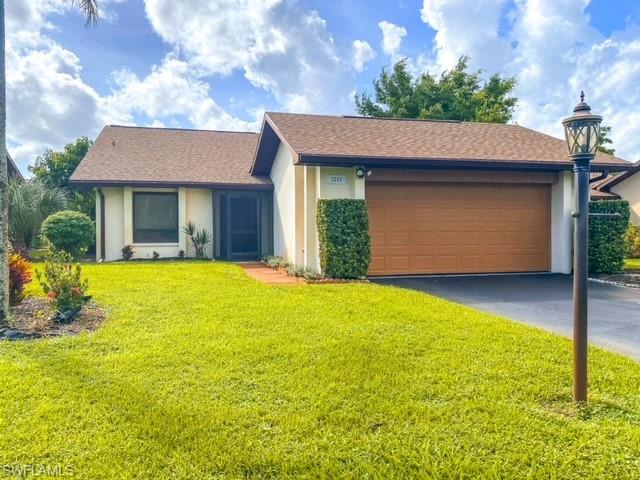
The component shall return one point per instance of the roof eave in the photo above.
(613, 181)
(155, 184)
(404, 162)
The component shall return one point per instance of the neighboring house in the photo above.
(622, 185)
(12, 169)
(443, 196)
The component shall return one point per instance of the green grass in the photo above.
(201, 372)
(632, 263)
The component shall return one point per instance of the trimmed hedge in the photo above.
(343, 234)
(606, 236)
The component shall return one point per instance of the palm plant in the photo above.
(200, 238)
(90, 10)
(30, 203)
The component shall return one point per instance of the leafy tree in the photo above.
(605, 144)
(30, 203)
(54, 169)
(89, 8)
(456, 95)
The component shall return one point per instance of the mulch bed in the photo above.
(630, 278)
(33, 318)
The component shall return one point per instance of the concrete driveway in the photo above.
(543, 300)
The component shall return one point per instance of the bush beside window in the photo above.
(343, 234)
(606, 236)
(69, 231)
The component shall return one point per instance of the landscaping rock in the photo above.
(68, 316)
(13, 335)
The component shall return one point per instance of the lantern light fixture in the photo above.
(582, 131)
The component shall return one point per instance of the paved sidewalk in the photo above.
(268, 275)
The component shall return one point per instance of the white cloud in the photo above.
(362, 54)
(392, 36)
(47, 101)
(466, 28)
(278, 45)
(169, 92)
(553, 51)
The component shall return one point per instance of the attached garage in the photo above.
(444, 197)
(460, 223)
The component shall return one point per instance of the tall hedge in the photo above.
(606, 236)
(343, 233)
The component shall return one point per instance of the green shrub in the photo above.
(69, 231)
(632, 241)
(606, 236)
(295, 270)
(127, 252)
(275, 261)
(62, 281)
(343, 234)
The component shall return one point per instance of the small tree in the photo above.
(54, 169)
(69, 231)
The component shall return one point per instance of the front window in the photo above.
(155, 217)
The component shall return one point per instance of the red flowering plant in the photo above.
(62, 282)
(19, 276)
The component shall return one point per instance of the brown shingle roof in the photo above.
(374, 138)
(137, 155)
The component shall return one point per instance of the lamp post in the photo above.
(582, 131)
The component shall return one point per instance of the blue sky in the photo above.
(221, 63)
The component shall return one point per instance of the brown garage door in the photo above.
(458, 228)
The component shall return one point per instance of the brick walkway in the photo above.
(265, 274)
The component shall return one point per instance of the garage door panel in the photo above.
(423, 239)
(459, 228)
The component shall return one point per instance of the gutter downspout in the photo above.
(102, 226)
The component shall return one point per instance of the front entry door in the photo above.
(243, 227)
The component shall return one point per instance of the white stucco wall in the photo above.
(629, 190)
(114, 223)
(193, 204)
(199, 210)
(284, 204)
(354, 188)
(562, 205)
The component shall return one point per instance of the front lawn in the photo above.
(200, 372)
(632, 264)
